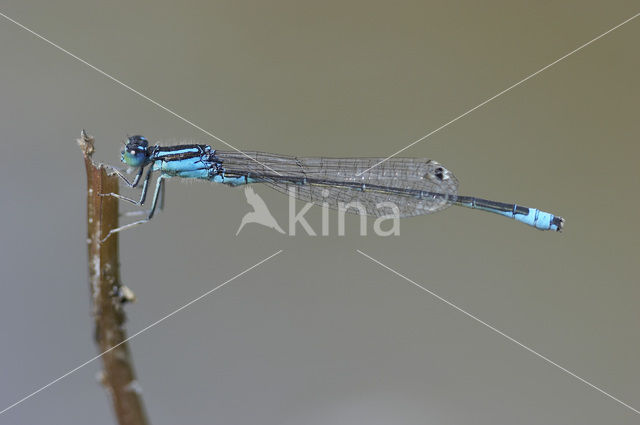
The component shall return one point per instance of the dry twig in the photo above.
(107, 292)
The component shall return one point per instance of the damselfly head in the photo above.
(134, 153)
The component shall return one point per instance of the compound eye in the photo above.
(134, 158)
(135, 152)
(137, 141)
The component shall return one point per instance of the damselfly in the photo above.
(415, 186)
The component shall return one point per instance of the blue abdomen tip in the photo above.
(541, 220)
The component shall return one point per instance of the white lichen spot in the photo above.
(95, 281)
(134, 386)
(127, 294)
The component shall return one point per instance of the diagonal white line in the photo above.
(499, 332)
(114, 79)
(502, 92)
(137, 333)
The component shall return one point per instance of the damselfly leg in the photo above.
(157, 201)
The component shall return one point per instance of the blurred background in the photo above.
(320, 334)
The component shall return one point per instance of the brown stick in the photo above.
(108, 293)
